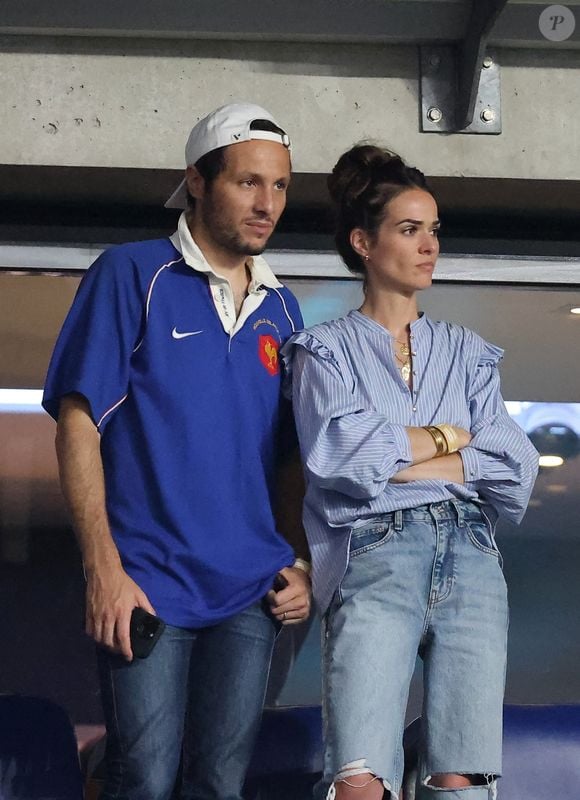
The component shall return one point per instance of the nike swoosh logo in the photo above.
(178, 335)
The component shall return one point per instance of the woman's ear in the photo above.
(359, 242)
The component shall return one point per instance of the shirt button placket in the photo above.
(411, 338)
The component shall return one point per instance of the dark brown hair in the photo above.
(363, 182)
(211, 164)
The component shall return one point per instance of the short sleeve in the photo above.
(93, 351)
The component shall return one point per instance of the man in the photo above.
(165, 384)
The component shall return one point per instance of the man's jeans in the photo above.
(204, 688)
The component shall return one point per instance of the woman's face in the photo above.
(402, 255)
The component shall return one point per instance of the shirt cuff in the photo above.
(471, 464)
(401, 442)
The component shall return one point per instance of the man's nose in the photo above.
(264, 200)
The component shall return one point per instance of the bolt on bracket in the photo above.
(440, 100)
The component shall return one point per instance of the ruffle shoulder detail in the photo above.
(490, 355)
(317, 340)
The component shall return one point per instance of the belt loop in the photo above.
(459, 511)
(398, 519)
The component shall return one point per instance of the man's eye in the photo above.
(281, 185)
(248, 182)
(409, 231)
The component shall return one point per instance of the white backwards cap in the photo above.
(229, 124)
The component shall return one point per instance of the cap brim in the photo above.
(179, 197)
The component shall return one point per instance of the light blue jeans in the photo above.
(204, 689)
(425, 581)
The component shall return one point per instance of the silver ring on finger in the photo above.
(284, 617)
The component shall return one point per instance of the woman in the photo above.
(410, 457)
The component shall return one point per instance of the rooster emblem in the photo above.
(268, 352)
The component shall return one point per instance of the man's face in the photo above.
(239, 210)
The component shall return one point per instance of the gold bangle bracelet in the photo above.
(432, 435)
(443, 448)
(439, 439)
(451, 439)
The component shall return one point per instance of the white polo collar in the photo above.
(183, 241)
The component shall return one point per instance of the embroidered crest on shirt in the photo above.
(269, 322)
(268, 352)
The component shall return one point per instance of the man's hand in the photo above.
(111, 597)
(291, 605)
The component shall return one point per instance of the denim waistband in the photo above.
(459, 511)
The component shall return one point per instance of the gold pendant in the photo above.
(406, 372)
(405, 350)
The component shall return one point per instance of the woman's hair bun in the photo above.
(361, 166)
(363, 182)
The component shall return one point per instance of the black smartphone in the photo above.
(280, 582)
(145, 632)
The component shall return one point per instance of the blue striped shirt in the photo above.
(352, 407)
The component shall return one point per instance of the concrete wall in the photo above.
(131, 103)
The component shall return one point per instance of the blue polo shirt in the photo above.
(190, 418)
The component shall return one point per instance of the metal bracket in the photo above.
(441, 106)
(460, 85)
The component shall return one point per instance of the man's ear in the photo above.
(359, 242)
(195, 183)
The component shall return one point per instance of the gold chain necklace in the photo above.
(405, 349)
(405, 362)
